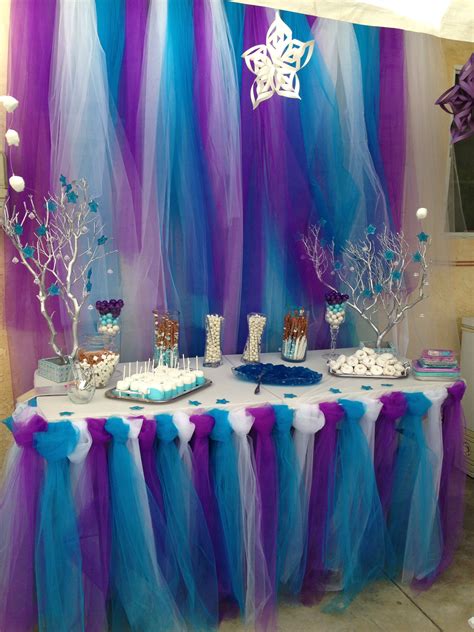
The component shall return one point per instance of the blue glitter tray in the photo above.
(277, 374)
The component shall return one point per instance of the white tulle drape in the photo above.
(256, 573)
(84, 144)
(432, 323)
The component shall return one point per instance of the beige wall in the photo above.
(6, 399)
(459, 281)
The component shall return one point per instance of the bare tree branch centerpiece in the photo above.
(372, 272)
(67, 239)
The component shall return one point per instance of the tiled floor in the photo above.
(391, 607)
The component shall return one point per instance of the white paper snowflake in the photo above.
(276, 63)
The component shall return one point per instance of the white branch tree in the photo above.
(67, 239)
(372, 271)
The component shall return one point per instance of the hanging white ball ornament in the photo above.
(12, 137)
(17, 183)
(9, 103)
(422, 213)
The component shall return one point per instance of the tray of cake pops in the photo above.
(161, 384)
(367, 363)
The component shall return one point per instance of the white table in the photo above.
(238, 393)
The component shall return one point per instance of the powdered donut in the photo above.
(376, 369)
(352, 360)
(388, 370)
(397, 374)
(333, 364)
(347, 368)
(360, 354)
(386, 356)
(341, 359)
(360, 369)
(368, 350)
(369, 361)
(380, 361)
(398, 366)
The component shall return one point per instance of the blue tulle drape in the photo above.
(291, 528)
(414, 523)
(140, 597)
(196, 584)
(225, 479)
(356, 543)
(58, 552)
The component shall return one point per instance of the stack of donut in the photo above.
(367, 362)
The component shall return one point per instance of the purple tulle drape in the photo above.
(147, 438)
(453, 480)
(18, 514)
(392, 121)
(94, 527)
(32, 24)
(322, 490)
(394, 407)
(266, 473)
(200, 445)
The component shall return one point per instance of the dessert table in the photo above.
(173, 516)
(237, 392)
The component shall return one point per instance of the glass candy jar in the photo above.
(256, 324)
(166, 335)
(295, 335)
(109, 316)
(101, 354)
(81, 385)
(213, 352)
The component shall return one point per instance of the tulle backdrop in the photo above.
(205, 199)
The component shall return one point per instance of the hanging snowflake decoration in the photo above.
(276, 63)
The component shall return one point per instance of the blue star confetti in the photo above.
(65, 413)
(396, 275)
(389, 255)
(136, 407)
(222, 401)
(18, 229)
(422, 236)
(337, 265)
(28, 251)
(54, 290)
(371, 229)
(289, 395)
(416, 257)
(335, 390)
(365, 387)
(378, 288)
(62, 180)
(41, 230)
(101, 241)
(71, 197)
(194, 402)
(387, 385)
(93, 206)
(367, 293)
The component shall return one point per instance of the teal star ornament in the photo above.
(371, 229)
(41, 230)
(28, 251)
(101, 241)
(416, 257)
(93, 206)
(422, 236)
(54, 290)
(18, 229)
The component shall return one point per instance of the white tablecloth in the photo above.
(238, 393)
